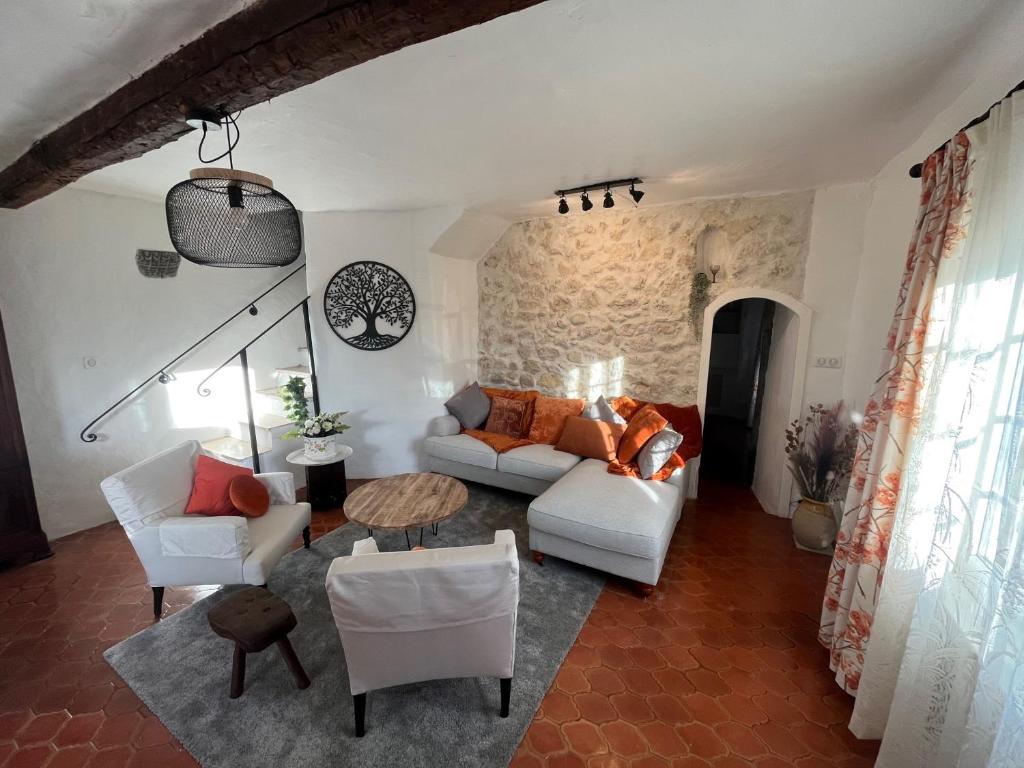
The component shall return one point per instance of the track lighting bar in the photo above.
(598, 185)
(607, 186)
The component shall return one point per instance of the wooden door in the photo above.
(21, 537)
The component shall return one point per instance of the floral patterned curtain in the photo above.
(862, 544)
(943, 674)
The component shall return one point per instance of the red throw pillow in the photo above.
(685, 419)
(644, 425)
(211, 487)
(249, 496)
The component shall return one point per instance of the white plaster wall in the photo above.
(69, 289)
(770, 466)
(988, 70)
(391, 394)
(833, 263)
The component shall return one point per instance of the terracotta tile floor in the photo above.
(720, 667)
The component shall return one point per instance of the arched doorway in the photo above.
(782, 382)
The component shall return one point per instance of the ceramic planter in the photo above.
(814, 526)
(318, 447)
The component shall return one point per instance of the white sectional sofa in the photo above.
(582, 513)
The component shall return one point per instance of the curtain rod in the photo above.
(918, 168)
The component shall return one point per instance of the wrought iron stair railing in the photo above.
(165, 373)
(243, 357)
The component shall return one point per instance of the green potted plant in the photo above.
(317, 431)
(820, 450)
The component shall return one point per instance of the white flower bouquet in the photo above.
(318, 433)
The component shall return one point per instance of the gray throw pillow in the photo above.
(590, 411)
(606, 412)
(471, 406)
(657, 451)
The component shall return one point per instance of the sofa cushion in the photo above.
(221, 537)
(462, 448)
(620, 514)
(541, 462)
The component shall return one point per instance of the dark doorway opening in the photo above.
(740, 345)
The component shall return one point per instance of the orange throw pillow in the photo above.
(549, 415)
(211, 487)
(685, 420)
(507, 417)
(644, 425)
(590, 438)
(626, 406)
(526, 395)
(529, 395)
(249, 496)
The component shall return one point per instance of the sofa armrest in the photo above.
(676, 479)
(221, 538)
(365, 547)
(444, 426)
(280, 485)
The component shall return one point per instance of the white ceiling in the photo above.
(702, 98)
(59, 57)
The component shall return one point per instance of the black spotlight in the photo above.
(563, 207)
(609, 201)
(635, 193)
(586, 204)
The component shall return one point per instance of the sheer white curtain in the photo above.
(944, 670)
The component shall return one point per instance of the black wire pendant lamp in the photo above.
(223, 217)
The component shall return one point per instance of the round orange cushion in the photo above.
(644, 425)
(249, 496)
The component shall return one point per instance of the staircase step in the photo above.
(294, 370)
(271, 421)
(232, 449)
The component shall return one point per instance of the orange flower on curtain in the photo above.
(890, 418)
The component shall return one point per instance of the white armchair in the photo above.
(405, 617)
(149, 500)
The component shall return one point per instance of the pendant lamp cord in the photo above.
(229, 122)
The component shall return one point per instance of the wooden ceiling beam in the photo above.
(266, 50)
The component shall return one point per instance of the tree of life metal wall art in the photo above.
(369, 305)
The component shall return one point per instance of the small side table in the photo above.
(325, 478)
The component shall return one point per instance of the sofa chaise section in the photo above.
(616, 524)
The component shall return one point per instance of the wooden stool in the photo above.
(253, 619)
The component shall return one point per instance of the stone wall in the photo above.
(594, 303)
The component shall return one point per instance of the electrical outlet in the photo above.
(828, 361)
(88, 362)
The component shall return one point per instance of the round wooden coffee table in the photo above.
(406, 501)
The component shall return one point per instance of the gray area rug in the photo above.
(182, 671)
